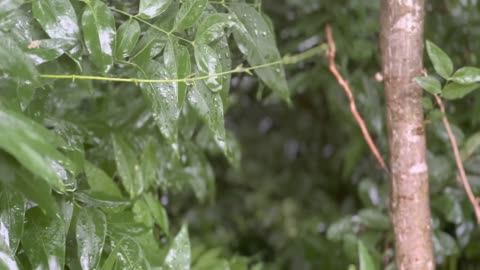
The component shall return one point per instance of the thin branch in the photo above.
(458, 160)
(333, 68)
(286, 60)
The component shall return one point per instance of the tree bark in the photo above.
(402, 52)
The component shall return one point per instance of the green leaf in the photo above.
(158, 212)
(209, 106)
(142, 214)
(222, 49)
(127, 37)
(198, 172)
(177, 61)
(45, 50)
(441, 61)
(365, 260)
(455, 91)
(149, 165)
(34, 189)
(189, 13)
(107, 203)
(14, 63)
(7, 259)
(100, 182)
(179, 254)
(7, 6)
(444, 244)
(152, 8)
(256, 41)
(209, 64)
(98, 26)
(374, 219)
(129, 255)
(91, 230)
(470, 146)
(57, 18)
(44, 240)
(466, 75)
(127, 167)
(449, 206)
(429, 84)
(35, 148)
(162, 100)
(213, 28)
(12, 213)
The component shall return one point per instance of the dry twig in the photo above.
(333, 68)
(458, 160)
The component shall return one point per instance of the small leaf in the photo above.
(98, 26)
(142, 214)
(365, 260)
(466, 75)
(209, 64)
(455, 90)
(162, 99)
(91, 230)
(213, 28)
(127, 166)
(470, 146)
(374, 219)
(127, 37)
(429, 84)
(152, 8)
(158, 212)
(441, 61)
(256, 41)
(149, 165)
(177, 61)
(45, 50)
(189, 13)
(179, 254)
(100, 182)
(44, 240)
(14, 63)
(57, 18)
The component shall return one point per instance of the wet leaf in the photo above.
(7, 6)
(213, 28)
(177, 61)
(163, 101)
(441, 61)
(35, 148)
(179, 254)
(100, 182)
(91, 230)
(208, 64)
(466, 75)
(429, 84)
(57, 18)
(142, 213)
(127, 37)
(256, 41)
(45, 50)
(158, 212)
(128, 167)
(189, 13)
(12, 213)
(14, 63)
(98, 27)
(209, 106)
(455, 91)
(149, 165)
(152, 8)
(44, 240)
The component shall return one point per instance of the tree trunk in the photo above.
(402, 52)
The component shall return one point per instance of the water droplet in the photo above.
(264, 33)
(277, 70)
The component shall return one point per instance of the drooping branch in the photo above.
(353, 107)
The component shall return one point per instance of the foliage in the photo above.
(91, 165)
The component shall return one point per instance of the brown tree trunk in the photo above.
(402, 52)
